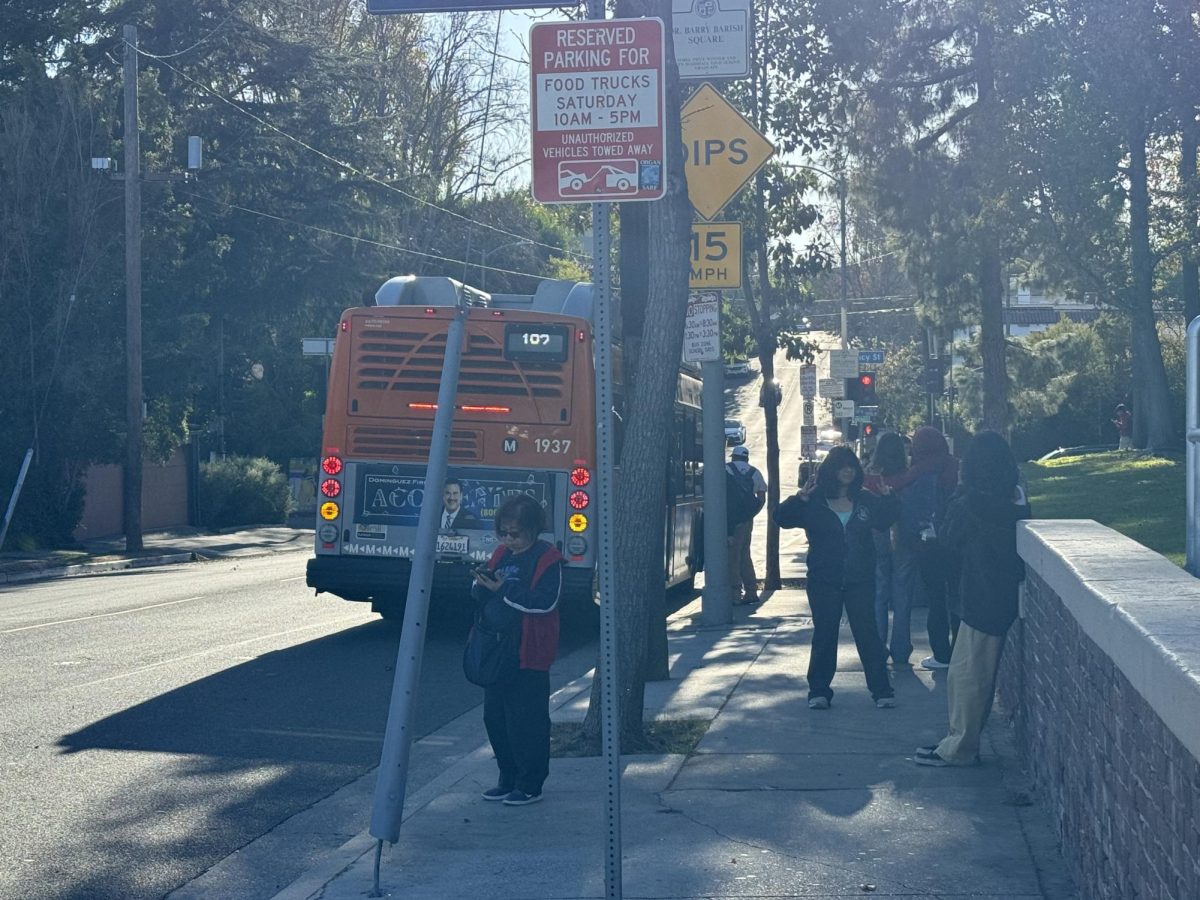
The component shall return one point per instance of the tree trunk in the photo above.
(764, 336)
(635, 287)
(641, 489)
(1151, 399)
(992, 345)
(634, 219)
(760, 315)
(1190, 181)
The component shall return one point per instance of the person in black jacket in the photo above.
(840, 519)
(980, 528)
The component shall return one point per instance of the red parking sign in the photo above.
(598, 107)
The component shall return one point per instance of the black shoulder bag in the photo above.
(492, 655)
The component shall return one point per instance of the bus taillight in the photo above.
(332, 465)
(579, 500)
(330, 511)
(331, 487)
(580, 476)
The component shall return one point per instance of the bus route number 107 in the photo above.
(552, 445)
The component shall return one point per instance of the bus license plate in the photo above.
(451, 544)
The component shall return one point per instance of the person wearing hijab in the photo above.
(895, 565)
(980, 528)
(925, 490)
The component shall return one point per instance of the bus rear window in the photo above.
(536, 343)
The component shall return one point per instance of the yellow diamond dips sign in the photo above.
(722, 150)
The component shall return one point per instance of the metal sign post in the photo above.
(608, 674)
(605, 563)
(1192, 420)
(388, 807)
(702, 344)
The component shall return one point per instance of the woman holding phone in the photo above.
(519, 589)
(840, 519)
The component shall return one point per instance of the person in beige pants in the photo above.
(979, 535)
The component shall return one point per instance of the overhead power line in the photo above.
(356, 238)
(354, 169)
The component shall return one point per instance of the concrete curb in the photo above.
(338, 860)
(142, 562)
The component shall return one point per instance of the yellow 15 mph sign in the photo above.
(716, 256)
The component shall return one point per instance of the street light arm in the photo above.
(839, 179)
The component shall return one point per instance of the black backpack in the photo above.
(741, 503)
(922, 507)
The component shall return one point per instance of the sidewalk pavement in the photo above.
(776, 801)
(159, 548)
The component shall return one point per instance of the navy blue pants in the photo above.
(517, 718)
(858, 600)
(938, 577)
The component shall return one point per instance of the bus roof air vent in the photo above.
(428, 290)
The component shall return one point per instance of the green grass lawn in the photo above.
(1141, 497)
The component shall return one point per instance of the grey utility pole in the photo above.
(131, 499)
(716, 603)
(841, 188)
(1192, 423)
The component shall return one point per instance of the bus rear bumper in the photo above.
(358, 578)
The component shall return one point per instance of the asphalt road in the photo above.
(152, 722)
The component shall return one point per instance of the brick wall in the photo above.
(1102, 691)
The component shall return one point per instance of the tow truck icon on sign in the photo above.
(598, 179)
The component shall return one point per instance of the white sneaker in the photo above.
(885, 703)
(932, 662)
(818, 703)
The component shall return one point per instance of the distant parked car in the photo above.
(739, 368)
(735, 432)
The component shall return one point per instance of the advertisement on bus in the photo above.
(388, 499)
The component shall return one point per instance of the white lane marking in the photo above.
(365, 737)
(120, 612)
(297, 578)
(210, 650)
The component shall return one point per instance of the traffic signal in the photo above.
(866, 389)
(932, 378)
(868, 429)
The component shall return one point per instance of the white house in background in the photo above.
(1027, 310)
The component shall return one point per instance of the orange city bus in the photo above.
(524, 422)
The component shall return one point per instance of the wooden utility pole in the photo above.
(131, 505)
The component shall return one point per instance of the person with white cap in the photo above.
(745, 495)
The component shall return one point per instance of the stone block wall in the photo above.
(1101, 680)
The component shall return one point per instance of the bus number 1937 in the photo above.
(549, 445)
